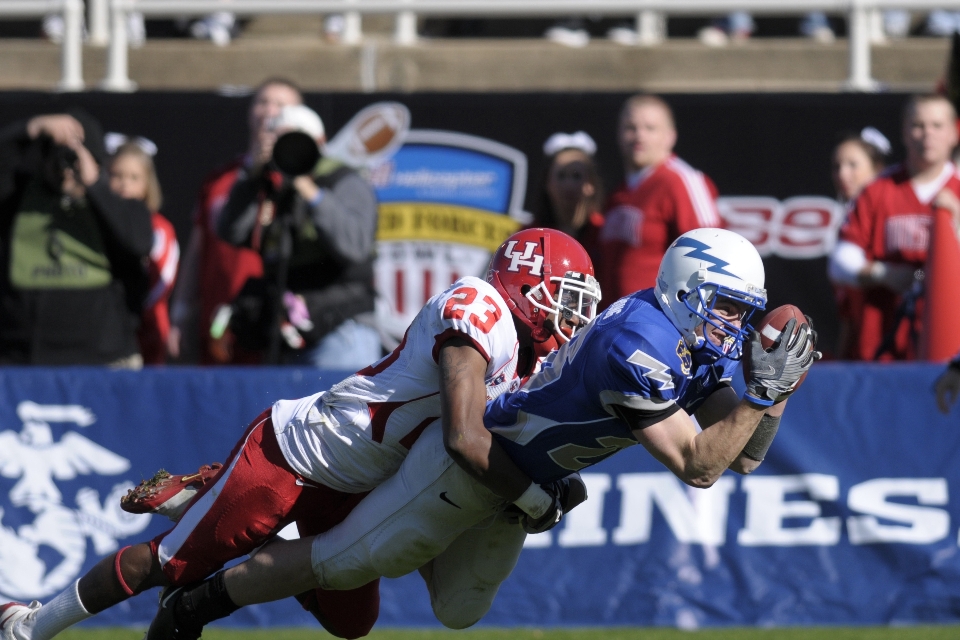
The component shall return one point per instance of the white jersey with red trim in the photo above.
(355, 435)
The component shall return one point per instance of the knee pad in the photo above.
(462, 613)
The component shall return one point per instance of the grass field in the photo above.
(835, 633)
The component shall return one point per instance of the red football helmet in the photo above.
(547, 280)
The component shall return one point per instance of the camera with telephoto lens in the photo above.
(56, 159)
(295, 153)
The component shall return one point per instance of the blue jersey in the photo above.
(563, 419)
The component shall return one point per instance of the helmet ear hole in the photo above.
(525, 289)
(681, 294)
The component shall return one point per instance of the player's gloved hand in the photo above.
(775, 373)
(565, 494)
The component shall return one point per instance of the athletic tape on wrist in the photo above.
(759, 443)
(534, 501)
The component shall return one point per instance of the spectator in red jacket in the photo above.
(133, 176)
(572, 195)
(883, 244)
(213, 271)
(662, 198)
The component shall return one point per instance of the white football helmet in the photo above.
(701, 267)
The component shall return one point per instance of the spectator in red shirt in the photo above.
(572, 195)
(132, 175)
(662, 198)
(857, 160)
(883, 244)
(213, 271)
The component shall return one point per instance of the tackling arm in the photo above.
(463, 397)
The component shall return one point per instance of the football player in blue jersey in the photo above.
(652, 360)
(634, 375)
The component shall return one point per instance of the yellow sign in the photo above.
(444, 223)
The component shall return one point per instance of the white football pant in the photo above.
(430, 511)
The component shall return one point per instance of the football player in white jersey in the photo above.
(311, 460)
(634, 375)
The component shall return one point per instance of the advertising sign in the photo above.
(852, 519)
(447, 201)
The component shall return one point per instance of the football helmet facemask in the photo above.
(701, 268)
(547, 280)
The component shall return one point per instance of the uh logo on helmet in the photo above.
(700, 268)
(548, 283)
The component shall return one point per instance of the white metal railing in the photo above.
(860, 14)
(71, 49)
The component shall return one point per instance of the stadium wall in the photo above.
(852, 520)
(767, 153)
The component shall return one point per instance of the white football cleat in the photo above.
(14, 624)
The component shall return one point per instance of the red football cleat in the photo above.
(166, 494)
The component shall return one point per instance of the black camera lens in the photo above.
(295, 153)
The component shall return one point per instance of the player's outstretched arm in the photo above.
(463, 398)
(700, 458)
(719, 405)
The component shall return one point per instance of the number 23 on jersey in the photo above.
(462, 298)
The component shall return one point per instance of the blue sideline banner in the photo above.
(852, 519)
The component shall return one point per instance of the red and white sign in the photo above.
(799, 227)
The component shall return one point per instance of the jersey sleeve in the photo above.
(728, 370)
(641, 375)
(858, 226)
(472, 310)
(695, 200)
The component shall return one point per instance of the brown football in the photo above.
(770, 328)
(772, 324)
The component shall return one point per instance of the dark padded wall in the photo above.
(750, 144)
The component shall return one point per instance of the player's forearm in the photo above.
(714, 450)
(487, 462)
(462, 402)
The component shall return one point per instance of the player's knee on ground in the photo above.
(345, 614)
(460, 615)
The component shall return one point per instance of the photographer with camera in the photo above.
(313, 220)
(71, 274)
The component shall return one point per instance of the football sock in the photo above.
(63, 611)
(205, 603)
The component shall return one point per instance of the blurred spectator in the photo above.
(72, 282)
(883, 244)
(941, 22)
(315, 228)
(220, 28)
(947, 386)
(212, 271)
(737, 26)
(133, 176)
(740, 26)
(662, 198)
(572, 193)
(857, 160)
(570, 33)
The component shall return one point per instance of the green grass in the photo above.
(951, 632)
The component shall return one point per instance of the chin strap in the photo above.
(542, 348)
